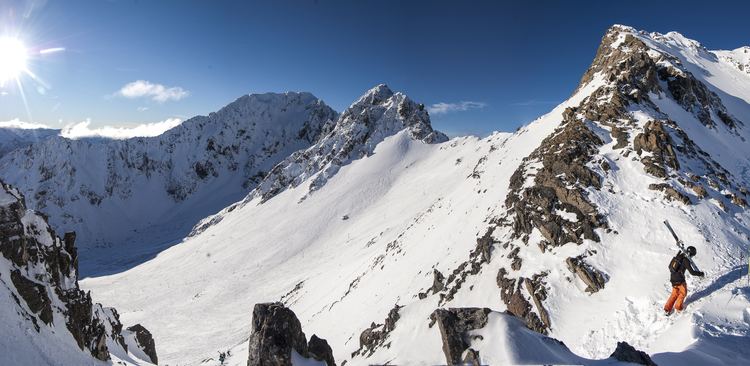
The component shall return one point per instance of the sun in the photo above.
(13, 58)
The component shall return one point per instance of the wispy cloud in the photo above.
(142, 109)
(47, 51)
(442, 108)
(21, 125)
(157, 92)
(83, 129)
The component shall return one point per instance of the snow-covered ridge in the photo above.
(739, 58)
(139, 193)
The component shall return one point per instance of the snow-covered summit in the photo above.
(377, 114)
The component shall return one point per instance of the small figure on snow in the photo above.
(677, 267)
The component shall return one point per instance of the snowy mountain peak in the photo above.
(375, 95)
(377, 115)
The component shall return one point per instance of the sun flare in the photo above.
(13, 58)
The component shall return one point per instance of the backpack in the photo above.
(675, 265)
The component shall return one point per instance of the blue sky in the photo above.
(495, 65)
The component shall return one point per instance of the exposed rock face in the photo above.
(145, 341)
(558, 164)
(44, 280)
(627, 353)
(320, 350)
(276, 333)
(376, 115)
(453, 324)
(512, 295)
(654, 139)
(35, 296)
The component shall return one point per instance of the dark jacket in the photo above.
(677, 268)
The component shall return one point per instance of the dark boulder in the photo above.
(592, 277)
(145, 341)
(453, 324)
(320, 350)
(276, 332)
(627, 353)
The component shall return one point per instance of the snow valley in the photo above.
(277, 217)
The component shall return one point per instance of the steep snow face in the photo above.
(559, 223)
(45, 318)
(127, 199)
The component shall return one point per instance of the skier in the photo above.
(677, 268)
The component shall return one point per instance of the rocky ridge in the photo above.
(39, 271)
(376, 115)
(548, 203)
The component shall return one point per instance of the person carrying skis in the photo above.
(677, 267)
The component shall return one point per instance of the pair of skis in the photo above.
(680, 245)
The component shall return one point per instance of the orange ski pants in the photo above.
(676, 299)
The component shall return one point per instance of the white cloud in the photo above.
(142, 109)
(83, 129)
(442, 108)
(16, 123)
(157, 92)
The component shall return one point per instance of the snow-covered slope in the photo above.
(558, 223)
(44, 316)
(128, 199)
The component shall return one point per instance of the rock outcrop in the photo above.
(376, 335)
(627, 353)
(512, 294)
(592, 277)
(43, 271)
(144, 341)
(276, 333)
(453, 324)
